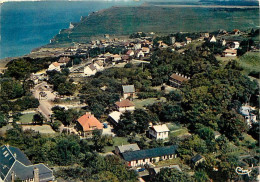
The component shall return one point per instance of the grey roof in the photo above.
(149, 153)
(128, 88)
(128, 148)
(12, 159)
(196, 158)
(25, 172)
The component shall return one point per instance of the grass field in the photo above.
(250, 62)
(44, 129)
(141, 103)
(162, 20)
(26, 118)
(117, 141)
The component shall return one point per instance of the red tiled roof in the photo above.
(89, 122)
(125, 103)
(55, 64)
(230, 51)
(178, 77)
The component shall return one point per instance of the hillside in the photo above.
(163, 20)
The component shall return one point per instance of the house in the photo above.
(159, 131)
(142, 157)
(178, 45)
(128, 91)
(90, 70)
(64, 60)
(213, 39)
(55, 66)
(154, 170)
(126, 148)
(230, 53)
(146, 50)
(126, 58)
(197, 159)
(130, 53)
(14, 165)
(236, 32)
(172, 40)
(177, 79)
(235, 45)
(250, 117)
(98, 65)
(87, 123)
(137, 46)
(205, 35)
(116, 57)
(125, 105)
(114, 117)
(139, 54)
(188, 40)
(223, 42)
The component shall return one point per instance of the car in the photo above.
(105, 125)
(139, 169)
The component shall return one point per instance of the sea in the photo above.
(25, 26)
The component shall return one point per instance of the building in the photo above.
(114, 117)
(205, 35)
(159, 132)
(230, 53)
(125, 105)
(90, 70)
(87, 123)
(188, 40)
(223, 42)
(172, 40)
(213, 39)
(64, 60)
(130, 53)
(14, 165)
(137, 46)
(55, 66)
(197, 159)
(177, 79)
(235, 45)
(126, 148)
(128, 91)
(142, 157)
(146, 50)
(116, 57)
(139, 54)
(250, 117)
(236, 32)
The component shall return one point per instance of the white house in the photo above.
(116, 57)
(213, 39)
(250, 117)
(90, 70)
(235, 45)
(137, 46)
(125, 105)
(98, 66)
(223, 42)
(114, 117)
(159, 131)
(139, 54)
(146, 50)
(54, 66)
(188, 40)
(230, 53)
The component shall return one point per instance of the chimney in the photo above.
(13, 176)
(36, 175)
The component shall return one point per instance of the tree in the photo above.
(38, 119)
(142, 119)
(201, 176)
(3, 120)
(171, 175)
(125, 125)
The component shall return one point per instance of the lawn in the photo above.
(117, 141)
(174, 161)
(179, 132)
(26, 118)
(44, 129)
(141, 103)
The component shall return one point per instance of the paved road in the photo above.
(45, 104)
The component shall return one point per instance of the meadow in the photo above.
(161, 20)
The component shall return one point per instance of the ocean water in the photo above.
(28, 25)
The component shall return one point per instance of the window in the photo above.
(136, 161)
(143, 160)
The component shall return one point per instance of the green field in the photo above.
(162, 20)
(250, 62)
(26, 118)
